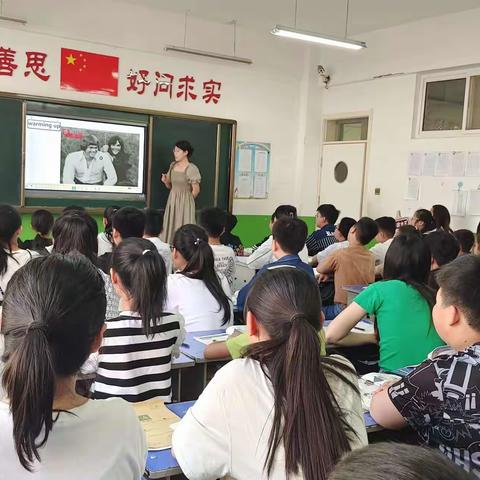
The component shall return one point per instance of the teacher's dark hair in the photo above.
(49, 327)
(306, 418)
(76, 232)
(192, 242)
(186, 146)
(384, 461)
(10, 222)
(143, 274)
(408, 259)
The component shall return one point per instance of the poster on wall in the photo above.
(252, 169)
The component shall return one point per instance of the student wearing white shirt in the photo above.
(196, 291)
(387, 227)
(89, 166)
(105, 239)
(153, 229)
(50, 327)
(250, 424)
(214, 220)
(341, 235)
(11, 257)
(263, 254)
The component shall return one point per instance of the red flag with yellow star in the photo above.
(89, 72)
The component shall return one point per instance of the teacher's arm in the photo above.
(166, 181)
(195, 189)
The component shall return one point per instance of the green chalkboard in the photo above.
(11, 156)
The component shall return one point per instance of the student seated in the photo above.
(42, 223)
(423, 221)
(289, 236)
(439, 398)
(402, 306)
(386, 461)
(350, 266)
(442, 219)
(387, 227)
(444, 248)
(105, 239)
(263, 254)
(127, 222)
(213, 220)
(341, 237)
(325, 219)
(195, 290)
(272, 413)
(77, 232)
(134, 361)
(228, 238)
(153, 229)
(466, 240)
(11, 256)
(50, 328)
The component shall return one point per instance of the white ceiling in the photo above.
(325, 15)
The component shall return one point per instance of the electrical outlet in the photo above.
(377, 191)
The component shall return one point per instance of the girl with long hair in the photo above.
(196, 291)
(53, 318)
(442, 218)
(105, 238)
(402, 305)
(134, 361)
(283, 411)
(423, 221)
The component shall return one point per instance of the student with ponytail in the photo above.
(134, 361)
(284, 411)
(11, 256)
(105, 238)
(52, 319)
(196, 290)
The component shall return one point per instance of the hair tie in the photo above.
(145, 252)
(36, 326)
(197, 242)
(297, 316)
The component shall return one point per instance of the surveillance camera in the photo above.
(321, 69)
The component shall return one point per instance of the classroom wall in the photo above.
(436, 43)
(270, 99)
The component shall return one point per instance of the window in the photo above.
(347, 130)
(450, 104)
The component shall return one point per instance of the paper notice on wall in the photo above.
(245, 160)
(413, 189)
(429, 164)
(260, 186)
(415, 164)
(474, 202)
(244, 186)
(459, 162)
(261, 161)
(473, 164)
(443, 166)
(459, 208)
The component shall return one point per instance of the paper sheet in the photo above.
(459, 203)
(208, 339)
(459, 162)
(413, 189)
(156, 419)
(415, 164)
(244, 186)
(429, 164)
(473, 164)
(443, 166)
(261, 161)
(370, 383)
(474, 202)
(245, 160)
(260, 186)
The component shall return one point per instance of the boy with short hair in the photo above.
(466, 240)
(350, 266)
(289, 236)
(440, 398)
(152, 231)
(213, 221)
(341, 236)
(325, 219)
(387, 227)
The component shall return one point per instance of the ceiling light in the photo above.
(204, 53)
(307, 36)
(15, 20)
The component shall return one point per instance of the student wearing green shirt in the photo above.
(402, 306)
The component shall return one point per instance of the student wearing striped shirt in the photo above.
(136, 354)
(325, 219)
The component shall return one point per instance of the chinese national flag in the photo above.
(89, 72)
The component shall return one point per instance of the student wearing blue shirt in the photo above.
(325, 219)
(289, 235)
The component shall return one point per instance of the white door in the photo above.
(342, 177)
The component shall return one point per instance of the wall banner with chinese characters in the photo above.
(252, 169)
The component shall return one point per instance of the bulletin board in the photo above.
(252, 170)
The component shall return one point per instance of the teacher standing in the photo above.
(183, 180)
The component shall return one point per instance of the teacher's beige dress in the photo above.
(180, 209)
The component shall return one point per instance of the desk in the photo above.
(353, 291)
(178, 364)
